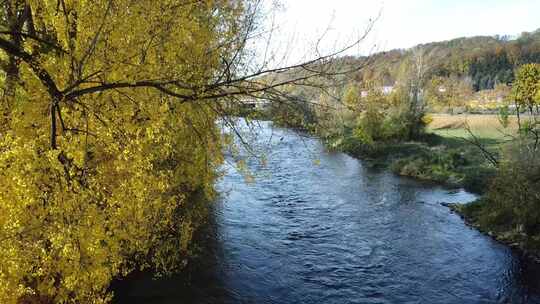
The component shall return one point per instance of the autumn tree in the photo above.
(106, 139)
(351, 97)
(526, 95)
(371, 119)
(512, 200)
(110, 134)
(412, 82)
(526, 88)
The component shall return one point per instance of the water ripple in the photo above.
(339, 232)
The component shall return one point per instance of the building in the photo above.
(386, 90)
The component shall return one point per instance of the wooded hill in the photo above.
(482, 61)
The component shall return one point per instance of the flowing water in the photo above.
(337, 232)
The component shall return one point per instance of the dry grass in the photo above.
(484, 126)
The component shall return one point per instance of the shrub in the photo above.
(478, 178)
(513, 199)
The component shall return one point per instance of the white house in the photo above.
(386, 90)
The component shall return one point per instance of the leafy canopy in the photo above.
(108, 135)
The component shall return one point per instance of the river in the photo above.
(321, 227)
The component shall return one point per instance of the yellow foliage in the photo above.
(427, 119)
(122, 189)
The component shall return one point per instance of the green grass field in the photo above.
(445, 154)
(483, 126)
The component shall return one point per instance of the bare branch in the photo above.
(477, 143)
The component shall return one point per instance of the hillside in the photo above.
(482, 61)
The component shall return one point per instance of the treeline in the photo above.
(483, 61)
(465, 74)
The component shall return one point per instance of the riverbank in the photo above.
(329, 232)
(450, 161)
(471, 214)
(447, 161)
(443, 157)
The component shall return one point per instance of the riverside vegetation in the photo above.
(510, 209)
(493, 155)
(111, 132)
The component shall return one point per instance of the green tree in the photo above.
(371, 120)
(414, 76)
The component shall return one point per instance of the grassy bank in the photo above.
(442, 155)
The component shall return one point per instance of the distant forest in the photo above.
(482, 61)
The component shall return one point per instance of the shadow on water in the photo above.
(200, 282)
(338, 232)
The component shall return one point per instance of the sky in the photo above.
(402, 23)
